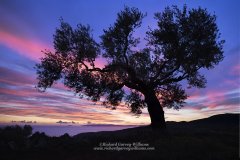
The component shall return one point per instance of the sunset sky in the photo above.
(27, 27)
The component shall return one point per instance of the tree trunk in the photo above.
(155, 111)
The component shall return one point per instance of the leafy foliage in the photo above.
(184, 42)
(135, 102)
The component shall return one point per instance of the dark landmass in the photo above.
(23, 121)
(213, 138)
(65, 122)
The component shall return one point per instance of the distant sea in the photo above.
(58, 130)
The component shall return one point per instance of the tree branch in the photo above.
(166, 76)
(159, 71)
(171, 80)
(125, 49)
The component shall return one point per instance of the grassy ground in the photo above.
(210, 139)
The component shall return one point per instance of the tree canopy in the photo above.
(185, 41)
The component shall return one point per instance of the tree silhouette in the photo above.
(184, 42)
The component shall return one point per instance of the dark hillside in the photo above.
(213, 138)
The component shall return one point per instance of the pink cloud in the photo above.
(32, 48)
(27, 47)
(232, 83)
(235, 70)
(10, 76)
(195, 96)
(54, 113)
(100, 62)
(214, 97)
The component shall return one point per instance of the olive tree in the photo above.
(184, 41)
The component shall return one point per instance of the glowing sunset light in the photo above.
(26, 47)
(20, 100)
